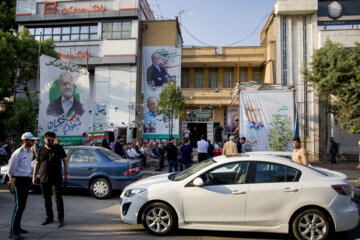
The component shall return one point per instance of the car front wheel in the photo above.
(159, 219)
(311, 224)
(100, 188)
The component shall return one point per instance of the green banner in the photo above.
(66, 140)
(159, 136)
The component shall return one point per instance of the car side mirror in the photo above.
(198, 182)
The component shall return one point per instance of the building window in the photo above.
(257, 75)
(243, 74)
(213, 78)
(228, 78)
(199, 78)
(65, 33)
(116, 30)
(185, 78)
(284, 67)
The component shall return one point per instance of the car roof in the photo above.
(273, 153)
(80, 146)
(253, 157)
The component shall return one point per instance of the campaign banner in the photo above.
(161, 65)
(101, 113)
(64, 100)
(257, 112)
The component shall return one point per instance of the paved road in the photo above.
(88, 218)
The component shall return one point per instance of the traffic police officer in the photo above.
(18, 172)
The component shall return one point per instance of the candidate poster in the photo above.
(161, 65)
(257, 111)
(64, 96)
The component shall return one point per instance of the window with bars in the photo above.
(228, 78)
(65, 33)
(258, 75)
(116, 30)
(199, 78)
(213, 78)
(243, 74)
(185, 78)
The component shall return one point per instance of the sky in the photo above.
(216, 22)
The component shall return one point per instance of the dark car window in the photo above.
(231, 173)
(93, 158)
(79, 156)
(110, 154)
(272, 172)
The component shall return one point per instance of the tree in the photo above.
(335, 74)
(7, 15)
(280, 135)
(19, 63)
(171, 104)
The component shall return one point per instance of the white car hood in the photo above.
(147, 182)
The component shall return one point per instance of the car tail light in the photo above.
(343, 189)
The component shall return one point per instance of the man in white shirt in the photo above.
(202, 149)
(131, 152)
(18, 172)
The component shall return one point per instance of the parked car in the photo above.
(97, 169)
(259, 193)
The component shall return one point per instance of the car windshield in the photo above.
(110, 154)
(190, 171)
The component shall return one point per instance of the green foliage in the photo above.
(335, 75)
(19, 52)
(7, 15)
(280, 135)
(171, 104)
(21, 117)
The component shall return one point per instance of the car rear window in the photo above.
(110, 154)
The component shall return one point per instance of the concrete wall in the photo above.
(347, 37)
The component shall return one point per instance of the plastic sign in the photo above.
(49, 8)
(94, 8)
(79, 54)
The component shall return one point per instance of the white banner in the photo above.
(257, 110)
(64, 100)
(161, 65)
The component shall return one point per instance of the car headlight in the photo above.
(133, 192)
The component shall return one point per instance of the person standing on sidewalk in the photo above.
(230, 146)
(18, 172)
(171, 155)
(299, 155)
(49, 162)
(202, 149)
(333, 148)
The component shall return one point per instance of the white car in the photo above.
(259, 193)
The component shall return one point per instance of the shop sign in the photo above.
(49, 8)
(79, 54)
(94, 8)
(199, 114)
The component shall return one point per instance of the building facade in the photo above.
(105, 37)
(209, 77)
(292, 33)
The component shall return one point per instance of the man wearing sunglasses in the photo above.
(18, 172)
(48, 161)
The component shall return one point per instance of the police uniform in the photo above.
(19, 171)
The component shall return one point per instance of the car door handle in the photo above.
(290, 189)
(237, 192)
(90, 168)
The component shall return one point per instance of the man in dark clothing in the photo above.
(171, 154)
(105, 142)
(119, 149)
(186, 153)
(333, 150)
(210, 152)
(161, 151)
(218, 134)
(49, 162)
(238, 144)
